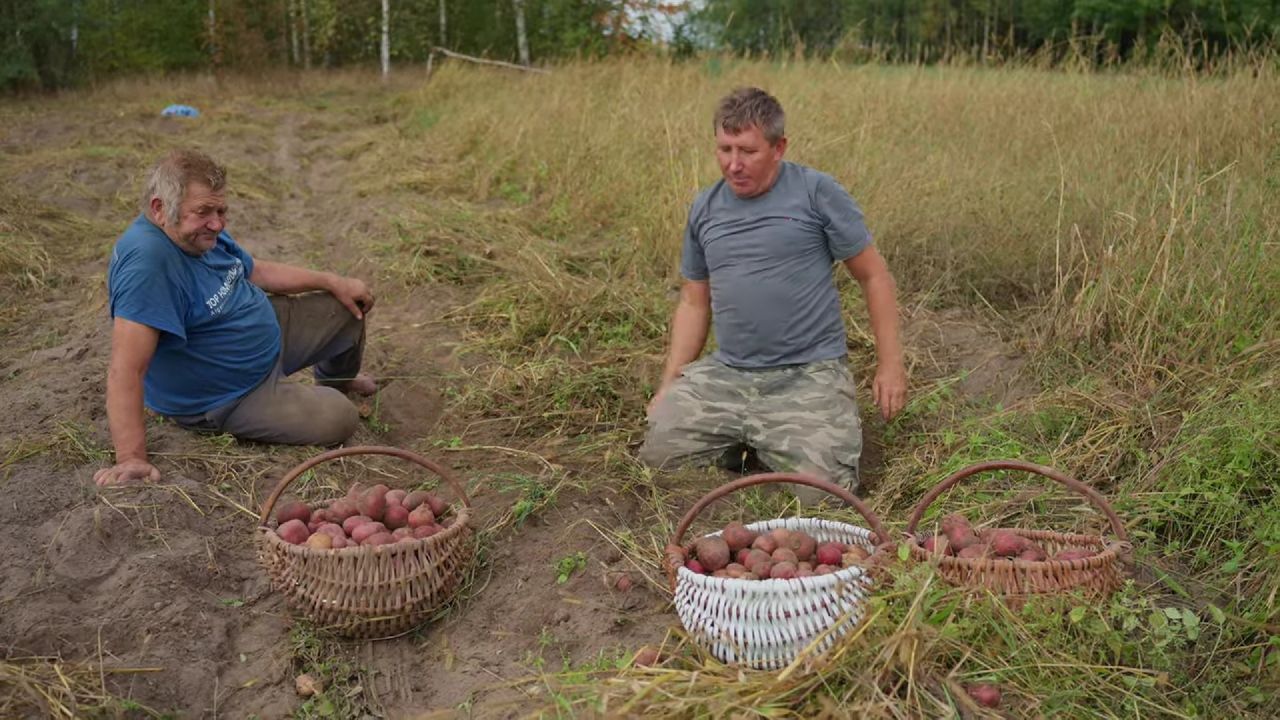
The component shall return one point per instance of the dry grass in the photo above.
(51, 688)
(1119, 229)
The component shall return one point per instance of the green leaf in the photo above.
(1190, 619)
(1173, 613)
(1077, 613)
(1216, 613)
(904, 552)
(232, 602)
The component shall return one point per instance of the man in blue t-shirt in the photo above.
(757, 257)
(196, 337)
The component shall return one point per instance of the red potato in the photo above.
(783, 571)
(350, 524)
(936, 545)
(737, 536)
(741, 556)
(985, 695)
(738, 568)
(355, 491)
(803, 545)
(421, 516)
(321, 515)
(721, 573)
(781, 537)
(765, 543)
(313, 525)
(755, 556)
(341, 542)
(829, 553)
(974, 551)
(402, 532)
(396, 497)
(395, 517)
(959, 532)
(646, 656)
(406, 539)
(425, 531)
(320, 541)
(1007, 543)
(414, 499)
(367, 530)
(342, 509)
(332, 530)
(1073, 555)
(804, 572)
(1033, 554)
(437, 504)
(294, 532)
(783, 554)
(712, 552)
(293, 511)
(373, 503)
(623, 583)
(762, 569)
(804, 565)
(695, 566)
(382, 538)
(826, 569)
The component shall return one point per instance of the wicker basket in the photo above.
(1099, 575)
(767, 624)
(370, 591)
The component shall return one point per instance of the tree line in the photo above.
(54, 43)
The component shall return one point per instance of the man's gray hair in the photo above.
(748, 107)
(169, 179)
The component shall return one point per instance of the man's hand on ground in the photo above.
(657, 396)
(889, 389)
(127, 472)
(354, 294)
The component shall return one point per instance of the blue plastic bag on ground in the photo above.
(180, 111)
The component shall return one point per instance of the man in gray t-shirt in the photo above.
(757, 257)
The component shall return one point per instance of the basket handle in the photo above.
(1093, 496)
(793, 478)
(413, 457)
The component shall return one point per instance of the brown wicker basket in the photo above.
(1099, 575)
(370, 591)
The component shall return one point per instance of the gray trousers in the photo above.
(316, 330)
(798, 419)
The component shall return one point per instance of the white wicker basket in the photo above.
(766, 624)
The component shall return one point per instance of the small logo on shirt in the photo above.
(218, 301)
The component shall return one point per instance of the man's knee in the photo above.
(337, 421)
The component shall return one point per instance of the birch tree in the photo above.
(522, 38)
(386, 39)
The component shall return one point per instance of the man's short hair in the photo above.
(169, 179)
(748, 107)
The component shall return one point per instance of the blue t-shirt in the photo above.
(219, 336)
(768, 259)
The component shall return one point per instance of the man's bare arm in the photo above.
(889, 388)
(132, 347)
(283, 279)
(689, 325)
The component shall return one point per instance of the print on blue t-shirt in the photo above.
(219, 336)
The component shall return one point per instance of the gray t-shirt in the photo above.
(773, 299)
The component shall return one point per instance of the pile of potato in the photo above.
(779, 554)
(958, 539)
(373, 516)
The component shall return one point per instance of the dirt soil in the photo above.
(164, 579)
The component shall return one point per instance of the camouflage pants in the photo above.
(797, 419)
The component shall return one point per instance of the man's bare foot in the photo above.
(363, 385)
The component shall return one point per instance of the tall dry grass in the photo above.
(1121, 226)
